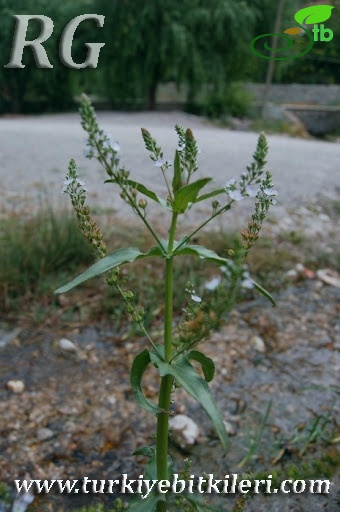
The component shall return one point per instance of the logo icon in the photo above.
(313, 15)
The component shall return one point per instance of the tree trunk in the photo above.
(152, 95)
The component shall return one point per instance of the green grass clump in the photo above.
(35, 251)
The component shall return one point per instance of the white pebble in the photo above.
(67, 345)
(184, 430)
(258, 344)
(16, 386)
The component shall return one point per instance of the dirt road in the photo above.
(35, 151)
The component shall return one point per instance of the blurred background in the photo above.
(162, 54)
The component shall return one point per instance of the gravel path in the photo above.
(35, 151)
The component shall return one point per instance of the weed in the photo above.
(173, 359)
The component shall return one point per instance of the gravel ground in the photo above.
(77, 417)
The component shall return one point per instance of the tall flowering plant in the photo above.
(173, 358)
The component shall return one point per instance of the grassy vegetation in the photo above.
(43, 251)
(277, 126)
(36, 253)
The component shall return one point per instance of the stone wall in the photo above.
(297, 93)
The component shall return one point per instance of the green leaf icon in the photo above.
(314, 14)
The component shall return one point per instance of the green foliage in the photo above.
(192, 43)
(233, 100)
(37, 249)
(5, 493)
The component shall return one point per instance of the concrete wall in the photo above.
(297, 93)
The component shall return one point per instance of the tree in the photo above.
(190, 42)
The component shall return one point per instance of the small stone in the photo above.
(258, 344)
(112, 400)
(292, 274)
(231, 430)
(329, 276)
(299, 267)
(16, 386)
(184, 431)
(67, 345)
(44, 433)
(324, 217)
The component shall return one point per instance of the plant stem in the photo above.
(167, 380)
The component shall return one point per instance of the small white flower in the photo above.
(180, 147)
(115, 146)
(235, 195)
(71, 181)
(66, 183)
(196, 298)
(213, 283)
(80, 182)
(226, 269)
(230, 183)
(270, 192)
(160, 162)
(250, 191)
(247, 283)
(108, 142)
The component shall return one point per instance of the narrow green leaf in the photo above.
(203, 253)
(115, 259)
(177, 180)
(264, 292)
(213, 193)
(148, 504)
(139, 365)
(314, 14)
(149, 193)
(150, 472)
(188, 194)
(186, 375)
(146, 451)
(207, 364)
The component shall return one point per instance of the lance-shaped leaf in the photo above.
(207, 364)
(188, 194)
(143, 190)
(147, 504)
(213, 193)
(151, 467)
(139, 366)
(263, 291)
(113, 260)
(203, 253)
(314, 14)
(177, 179)
(186, 375)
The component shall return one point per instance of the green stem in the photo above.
(167, 380)
(213, 216)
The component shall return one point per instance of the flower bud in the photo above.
(142, 203)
